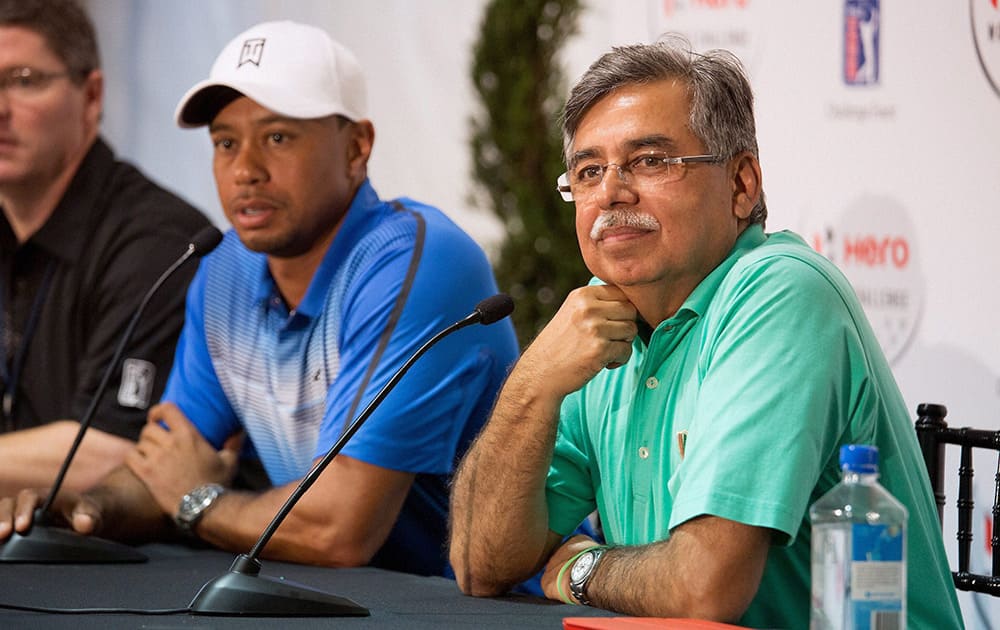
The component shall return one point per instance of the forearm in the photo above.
(31, 458)
(693, 574)
(645, 581)
(237, 519)
(343, 520)
(499, 516)
(310, 534)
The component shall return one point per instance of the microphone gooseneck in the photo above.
(241, 591)
(50, 544)
(203, 242)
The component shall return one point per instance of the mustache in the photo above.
(620, 217)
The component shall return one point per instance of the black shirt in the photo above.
(112, 235)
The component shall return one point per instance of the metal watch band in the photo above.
(195, 503)
(578, 583)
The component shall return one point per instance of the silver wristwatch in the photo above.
(581, 572)
(194, 504)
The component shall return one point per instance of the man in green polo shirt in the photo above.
(697, 393)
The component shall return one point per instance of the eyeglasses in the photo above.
(645, 171)
(26, 82)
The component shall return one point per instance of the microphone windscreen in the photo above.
(494, 308)
(207, 239)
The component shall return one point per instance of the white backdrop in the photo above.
(889, 167)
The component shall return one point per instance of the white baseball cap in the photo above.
(293, 69)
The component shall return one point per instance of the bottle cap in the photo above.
(859, 458)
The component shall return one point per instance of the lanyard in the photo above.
(12, 375)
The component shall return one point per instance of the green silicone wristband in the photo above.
(562, 572)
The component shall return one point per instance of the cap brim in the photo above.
(204, 101)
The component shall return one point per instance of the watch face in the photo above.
(203, 499)
(188, 504)
(582, 567)
(195, 502)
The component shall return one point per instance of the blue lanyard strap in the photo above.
(12, 375)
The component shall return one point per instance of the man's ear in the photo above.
(93, 93)
(746, 184)
(360, 149)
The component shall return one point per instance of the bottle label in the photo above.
(877, 575)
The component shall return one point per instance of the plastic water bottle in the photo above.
(858, 550)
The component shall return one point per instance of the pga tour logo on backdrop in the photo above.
(861, 41)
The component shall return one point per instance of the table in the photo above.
(175, 573)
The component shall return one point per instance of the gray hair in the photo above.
(721, 97)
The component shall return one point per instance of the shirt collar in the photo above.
(354, 223)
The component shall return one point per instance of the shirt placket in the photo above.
(644, 448)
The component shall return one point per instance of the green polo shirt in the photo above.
(737, 407)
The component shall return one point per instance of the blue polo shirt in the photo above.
(395, 274)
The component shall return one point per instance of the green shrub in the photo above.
(517, 153)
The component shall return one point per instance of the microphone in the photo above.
(242, 591)
(493, 309)
(45, 543)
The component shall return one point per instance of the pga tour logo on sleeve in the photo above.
(861, 41)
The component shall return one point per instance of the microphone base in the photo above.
(55, 545)
(249, 595)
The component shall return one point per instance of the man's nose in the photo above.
(4, 104)
(615, 187)
(248, 167)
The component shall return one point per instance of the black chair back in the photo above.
(933, 434)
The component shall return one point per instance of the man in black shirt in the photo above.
(82, 238)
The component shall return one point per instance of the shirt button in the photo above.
(652, 383)
(643, 452)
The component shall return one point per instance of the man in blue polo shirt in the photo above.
(697, 393)
(307, 308)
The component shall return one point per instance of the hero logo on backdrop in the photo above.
(861, 42)
(873, 244)
(985, 18)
